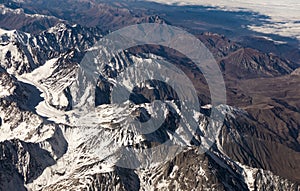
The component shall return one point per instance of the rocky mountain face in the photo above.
(14, 17)
(43, 147)
(26, 52)
(36, 16)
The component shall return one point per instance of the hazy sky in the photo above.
(283, 14)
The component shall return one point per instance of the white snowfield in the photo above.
(284, 15)
(34, 78)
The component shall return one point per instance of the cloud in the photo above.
(284, 16)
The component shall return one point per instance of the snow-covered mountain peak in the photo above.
(59, 28)
(16, 36)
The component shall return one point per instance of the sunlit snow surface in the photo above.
(284, 16)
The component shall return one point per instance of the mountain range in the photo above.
(42, 45)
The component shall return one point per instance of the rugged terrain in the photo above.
(41, 148)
